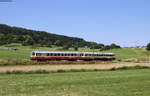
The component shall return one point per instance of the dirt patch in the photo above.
(68, 67)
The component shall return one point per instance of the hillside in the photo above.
(9, 34)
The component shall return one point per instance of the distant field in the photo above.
(125, 53)
(23, 52)
(101, 83)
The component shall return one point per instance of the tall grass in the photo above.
(28, 62)
(74, 70)
(97, 83)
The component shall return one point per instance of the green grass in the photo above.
(73, 70)
(99, 83)
(24, 52)
(125, 53)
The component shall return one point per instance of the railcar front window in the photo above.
(33, 53)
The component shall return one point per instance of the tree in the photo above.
(148, 47)
(112, 46)
(28, 41)
(108, 47)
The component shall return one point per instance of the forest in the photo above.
(27, 37)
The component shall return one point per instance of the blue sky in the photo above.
(124, 22)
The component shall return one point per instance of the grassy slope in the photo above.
(24, 52)
(125, 53)
(101, 83)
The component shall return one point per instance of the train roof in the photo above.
(71, 52)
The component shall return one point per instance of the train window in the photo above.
(80, 54)
(47, 54)
(64, 54)
(54, 54)
(50, 54)
(38, 54)
(72, 54)
(58, 54)
(100, 54)
(61, 54)
(75, 54)
(68, 54)
(43, 54)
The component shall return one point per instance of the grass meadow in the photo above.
(134, 82)
(23, 52)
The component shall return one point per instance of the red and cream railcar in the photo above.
(62, 55)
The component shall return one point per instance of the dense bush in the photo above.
(108, 47)
(148, 47)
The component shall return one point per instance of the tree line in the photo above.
(26, 37)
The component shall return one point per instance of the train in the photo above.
(71, 56)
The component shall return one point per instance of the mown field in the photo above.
(23, 52)
(99, 83)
